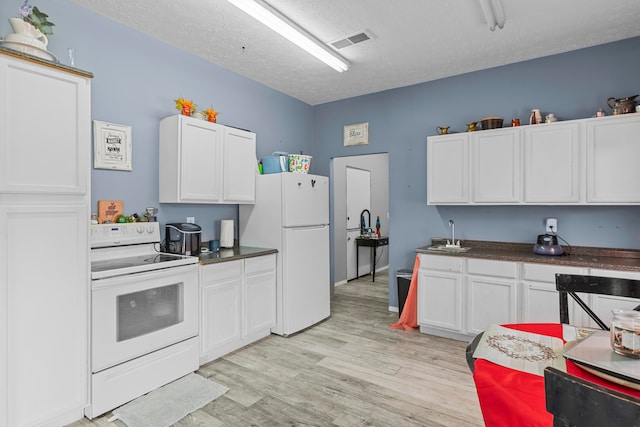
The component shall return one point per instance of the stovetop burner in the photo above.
(120, 249)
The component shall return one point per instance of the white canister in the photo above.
(226, 233)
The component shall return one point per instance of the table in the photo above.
(509, 397)
(371, 242)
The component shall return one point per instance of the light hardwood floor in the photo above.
(350, 370)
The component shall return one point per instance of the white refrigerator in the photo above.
(291, 214)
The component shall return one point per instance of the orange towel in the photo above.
(409, 316)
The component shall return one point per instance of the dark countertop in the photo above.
(581, 256)
(232, 254)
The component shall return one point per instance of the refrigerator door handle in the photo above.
(307, 227)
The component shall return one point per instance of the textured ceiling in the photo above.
(413, 41)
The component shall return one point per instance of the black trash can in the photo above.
(403, 276)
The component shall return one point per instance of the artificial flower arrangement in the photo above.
(186, 107)
(36, 17)
(211, 114)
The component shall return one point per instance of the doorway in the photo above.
(378, 167)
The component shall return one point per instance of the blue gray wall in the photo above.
(137, 78)
(572, 85)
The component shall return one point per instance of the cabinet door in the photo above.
(602, 305)
(496, 164)
(612, 159)
(540, 300)
(44, 306)
(44, 138)
(239, 166)
(200, 157)
(220, 305)
(260, 296)
(440, 300)
(490, 301)
(552, 163)
(448, 169)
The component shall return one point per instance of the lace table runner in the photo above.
(523, 351)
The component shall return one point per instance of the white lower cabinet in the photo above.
(44, 337)
(540, 302)
(260, 297)
(602, 305)
(460, 297)
(237, 304)
(491, 294)
(440, 295)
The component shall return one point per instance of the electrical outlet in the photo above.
(191, 220)
(551, 225)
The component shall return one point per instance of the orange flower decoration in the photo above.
(184, 105)
(211, 114)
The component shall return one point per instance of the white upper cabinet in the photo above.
(496, 168)
(239, 168)
(204, 162)
(45, 120)
(552, 163)
(577, 162)
(448, 169)
(613, 153)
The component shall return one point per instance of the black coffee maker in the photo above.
(183, 238)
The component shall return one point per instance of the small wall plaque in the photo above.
(356, 134)
(111, 146)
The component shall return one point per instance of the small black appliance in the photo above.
(183, 238)
(547, 245)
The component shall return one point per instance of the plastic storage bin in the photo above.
(403, 277)
(275, 163)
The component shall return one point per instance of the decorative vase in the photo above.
(27, 30)
(186, 110)
(212, 119)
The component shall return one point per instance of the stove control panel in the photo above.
(108, 235)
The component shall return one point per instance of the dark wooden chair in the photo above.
(574, 402)
(571, 284)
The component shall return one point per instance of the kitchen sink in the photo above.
(447, 248)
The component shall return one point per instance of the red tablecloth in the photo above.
(514, 398)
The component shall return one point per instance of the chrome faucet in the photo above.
(453, 234)
(363, 225)
(453, 231)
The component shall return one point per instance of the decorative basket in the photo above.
(299, 163)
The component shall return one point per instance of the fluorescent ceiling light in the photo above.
(292, 32)
(494, 13)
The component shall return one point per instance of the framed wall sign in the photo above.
(357, 134)
(111, 146)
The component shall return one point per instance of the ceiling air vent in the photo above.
(356, 38)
